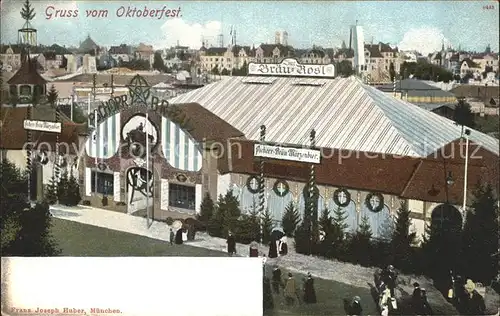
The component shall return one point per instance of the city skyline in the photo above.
(422, 26)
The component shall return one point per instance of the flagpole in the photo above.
(147, 167)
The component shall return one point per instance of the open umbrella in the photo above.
(276, 234)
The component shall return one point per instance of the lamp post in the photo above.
(147, 169)
(466, 135)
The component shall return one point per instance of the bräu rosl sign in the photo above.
(290, 67)
(287, 153)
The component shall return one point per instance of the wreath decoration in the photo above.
(42, 157)
(277, 191)
(315, 191)
(249, 185)
(369, 205)
(336, 199)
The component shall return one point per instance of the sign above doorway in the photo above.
(42, 126)
(287, 153)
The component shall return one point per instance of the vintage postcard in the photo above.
(249, 157)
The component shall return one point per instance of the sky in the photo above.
(411, 25)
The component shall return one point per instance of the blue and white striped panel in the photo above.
(179, 148)
(350, 213)
(380, 223)
(249, 201)
(277, 204)
(321, 206)
(105, 139)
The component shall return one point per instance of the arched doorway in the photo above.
(444, 243)
(446, 218)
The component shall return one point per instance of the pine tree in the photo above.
(27, 12)
(364, 228)
(267, 226)
(481, 235)
(216, 223)
(402, 240)
(25, 230)
(360, 243)
(73, 193)
(62, 189)
(325, 221)
(339, 224)
(226, 215)
(51, 192)
(52, 95)
(206, 209)
(290, 220)
(248, 228)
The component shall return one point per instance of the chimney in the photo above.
(277, 38)
(379, 47)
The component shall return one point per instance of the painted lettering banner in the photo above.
(290, 67)
(42, 126)
(286, 153)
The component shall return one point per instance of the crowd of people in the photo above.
(463, 293)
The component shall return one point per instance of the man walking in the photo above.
(231, 244)
(290, 290)
(172, 236)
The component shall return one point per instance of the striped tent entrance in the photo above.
(179, 148)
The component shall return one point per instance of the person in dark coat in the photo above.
(426, 307)
(417, 303)
(283, 246)
(309, 291)
(474, 302)
(178, 237)
(389, 278)
(276, 283)
(231, 244)
(273, 249)
(172, 236)
(267, 300)
(355, 308)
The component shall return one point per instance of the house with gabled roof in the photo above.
(467, 66)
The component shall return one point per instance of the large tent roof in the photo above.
(345, 113)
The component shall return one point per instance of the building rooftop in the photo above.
(345, 113)
(416, 88)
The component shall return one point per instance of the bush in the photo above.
(68, 190)
(303, 242)
(197, 225)
(169, 221)
(247, 229)
(290, 220)
(191, 231)
(121, 204)
(104, 200)
(86, 203)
